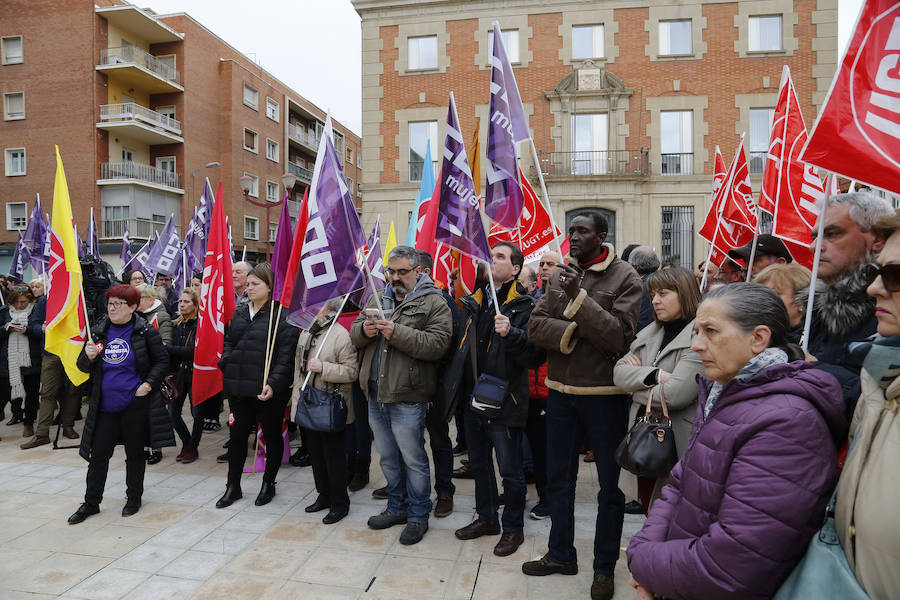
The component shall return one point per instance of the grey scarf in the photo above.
(766, 358)
(18, 351)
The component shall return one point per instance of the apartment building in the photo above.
(626, 99)
(144, 107)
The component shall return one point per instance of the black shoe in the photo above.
(459, 449)
(603, 587)
(413, 533)
(464, 472)
(222, 458)
(300, 458)
(360, 475)
(539, 511)
(227, 443)
(385, 520)
(335, 515)
(266, 493)
(380, 493)
(131, 508)
(232, 493)
(634, 508)
(546, 566)
(319, 504)
(84, 511)
(154, 456)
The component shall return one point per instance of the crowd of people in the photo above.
(548, 363)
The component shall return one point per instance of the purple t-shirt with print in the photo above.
(119, 369)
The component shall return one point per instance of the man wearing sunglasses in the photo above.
(843, 312)
(400, 349)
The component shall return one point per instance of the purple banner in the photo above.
(165, 257)
(375, 260)
(35, 239)
(125, 252)
(459, 218)
(284, 238)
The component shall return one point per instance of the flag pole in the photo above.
(493, 287)
(807, 323)
(270, 341)
(540, 172)
(753, 247)
(322, 345)
(712, 247)
(87, 321)
(374, 289)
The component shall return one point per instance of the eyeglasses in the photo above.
(890, 275)
(116, 304)
(401, 272)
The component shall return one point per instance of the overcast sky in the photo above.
(314, 45)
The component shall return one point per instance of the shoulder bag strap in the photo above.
(662, 401)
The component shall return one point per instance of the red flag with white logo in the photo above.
(857, 134)
(737, 210)
(216, 307)
(534, 234)
(719, 174)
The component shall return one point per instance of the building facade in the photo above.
(144, 108)
(626, 100)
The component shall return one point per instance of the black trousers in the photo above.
(131, 428)
(536, 430)
(32, 384)
(247, 413)
(441, 451)
(329, 466)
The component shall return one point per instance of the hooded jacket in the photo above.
(406, 365)
(584, 337)
(750, 490)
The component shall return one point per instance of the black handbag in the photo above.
(168, 389)
(488, 395)
(649, 448)
(321, 410)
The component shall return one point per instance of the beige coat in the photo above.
(676, 358)
(339, 366)
(866, 510)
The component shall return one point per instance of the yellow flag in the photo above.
(475, 158)
(66, 325)
(390, 244)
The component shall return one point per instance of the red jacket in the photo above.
(536, 386)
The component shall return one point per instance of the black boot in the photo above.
(232, 493)
(300, 458)
(360, 475)
(266, 493)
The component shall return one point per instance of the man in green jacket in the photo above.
(398, 374)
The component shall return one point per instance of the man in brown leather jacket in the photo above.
(585, 321)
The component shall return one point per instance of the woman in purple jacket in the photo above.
(748, 494)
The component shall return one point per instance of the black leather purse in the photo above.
(649, 448)
(321, 410)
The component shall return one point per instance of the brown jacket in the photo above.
(585, 337)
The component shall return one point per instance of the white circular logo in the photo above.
(116, 352)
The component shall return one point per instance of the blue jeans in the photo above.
(604, 420)
(481, 434)
(399, 430)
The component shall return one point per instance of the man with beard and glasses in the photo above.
(843, 312)
(398, 374)
(585, 321)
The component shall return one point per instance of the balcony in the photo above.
(308, 140)
(677, 164)
(596, 163)
(140, 69)
(304, 175)
(140, 23)
(140, 123)
(138, 229)
(140, 174)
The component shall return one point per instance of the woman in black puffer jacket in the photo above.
(253, 400)
(181, 365)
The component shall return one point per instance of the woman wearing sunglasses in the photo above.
(869, 485)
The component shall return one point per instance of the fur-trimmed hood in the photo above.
(843, 305)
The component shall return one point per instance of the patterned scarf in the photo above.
(882, 358)
(765, 359)
(18, 351)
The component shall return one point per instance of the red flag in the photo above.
(857, 134)
(534, 235)
(155, 321)
(216, 307)
(296, 249)
(719, 175)
(737, 210)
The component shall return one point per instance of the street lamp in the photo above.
(246, 184)
(208, 165)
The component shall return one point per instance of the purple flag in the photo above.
(194, 242)
(329, 263)
(204, 217)
(504, 198)
(93, 241)
(165, 257)
(459, 219)
(375, 260)
(79, 242)
(35, 238)
(17, 266)
(125, 252)
(284, 239)
(140, 258)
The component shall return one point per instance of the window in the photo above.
(760, 132)
(250, 140)
(587, 41)
(676, 148)
(421, 135)
(422, 52)
(359, 190)
(350, 156)
(166, 111)
(350, 185)
(166, 163)
(590, 135)
(271, 149)
(358, 160)
(338, 143)
(678, 236)
(16, 215)
(254, 185)
(251, 228)
(272, 109)
(675, 37)
(765, 33)
(251, 97)
(15, 161)
(13, 106)
(273, 231)
(11, 50)
(271, 191)
(510, 43)
(127, 155)
(114, 221)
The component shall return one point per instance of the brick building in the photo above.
(626, 100)
(143, 108)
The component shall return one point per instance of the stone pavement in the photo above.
(180, 546)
